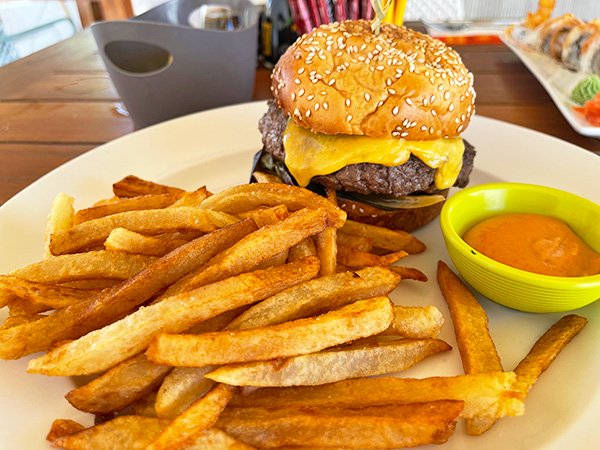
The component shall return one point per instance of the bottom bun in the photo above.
(408, 219)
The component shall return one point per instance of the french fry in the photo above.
(119, 387)
(491, 394)
(82, 317)
(12, 321)
(50, 295)
(63, 427)
(317, 296)
(302, 249)
(193, 198)
(151, 221)
(416, 322)
(328, 366)
(266, 216)
(144, 406)
(120, 433)
(152, 201)
(352, 257)
(374, 427)
(215, 439)
(84, 266)
(546, 349)
(409, 273)
(182, 387)
(132, 186)
(123, 240)
(475, 344)
(358, 242)
(327, 250)
(103, 348)
(384, 238)
(360, 319)
(200, 416)
(60, 218)
(251, 196)
(256, 248)
(24, 307)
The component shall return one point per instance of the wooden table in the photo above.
(59, 103)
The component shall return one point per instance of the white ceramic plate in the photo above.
(215, 148)
(558, 82)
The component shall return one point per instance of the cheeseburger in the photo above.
(376, 117)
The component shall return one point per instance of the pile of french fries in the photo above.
(252, 318)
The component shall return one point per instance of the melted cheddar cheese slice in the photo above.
(309, 154)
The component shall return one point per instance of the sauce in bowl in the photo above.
(535, 243)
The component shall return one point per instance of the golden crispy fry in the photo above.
(488, 394)
(132, 186)
(105, 347)
(12, 321)
(416, 322)
(374, 427)
(215, 439)
(24, 307)
(193, 198)
(302, 249)
(145, 406)
(63, 427)
(317, 296)
(119, 387)
(352, 257)
(251, 196)
(50, 295)
(120, 433)
(80, 318)
(200, 416)
(153, 201)
(150, 221)
(391, 240)
(84, 266)
(353, 361)
(409, 273)
(475, 344)
(123, 240)
(182, 387)
(60, 218)
(247, 254)
(327, 250)
(546, 349)
(266, 216)
(360, 319)
(358, 242)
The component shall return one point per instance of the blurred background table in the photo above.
(59, 103)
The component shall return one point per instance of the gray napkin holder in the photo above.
(162, 67)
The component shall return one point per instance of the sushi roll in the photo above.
(550, 35)
(590, 55)
(574, 42)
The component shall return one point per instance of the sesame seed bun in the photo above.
(342, 78)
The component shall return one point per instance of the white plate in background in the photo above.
(216, 148)
(558, 82)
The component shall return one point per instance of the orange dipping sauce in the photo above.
(535, 243)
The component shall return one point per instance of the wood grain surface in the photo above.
(60, 102)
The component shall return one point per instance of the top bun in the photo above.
(342, 78)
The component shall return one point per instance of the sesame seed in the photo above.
(459, 129)
(347, 102)
(293, 96)
(446, 95)
(301, 70)
(317, 106)
(423, 128)
(451, 107)
(301, 93)
(331, 82)
(349, 118)
(380, 68)
(297, 81)
(404, 134)
(395, 133)
(367, 96)
(395, 110)
(433, 113)
(392, 91)
(310, 97)
(325, 105)
(307, 113)
(408, 101)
